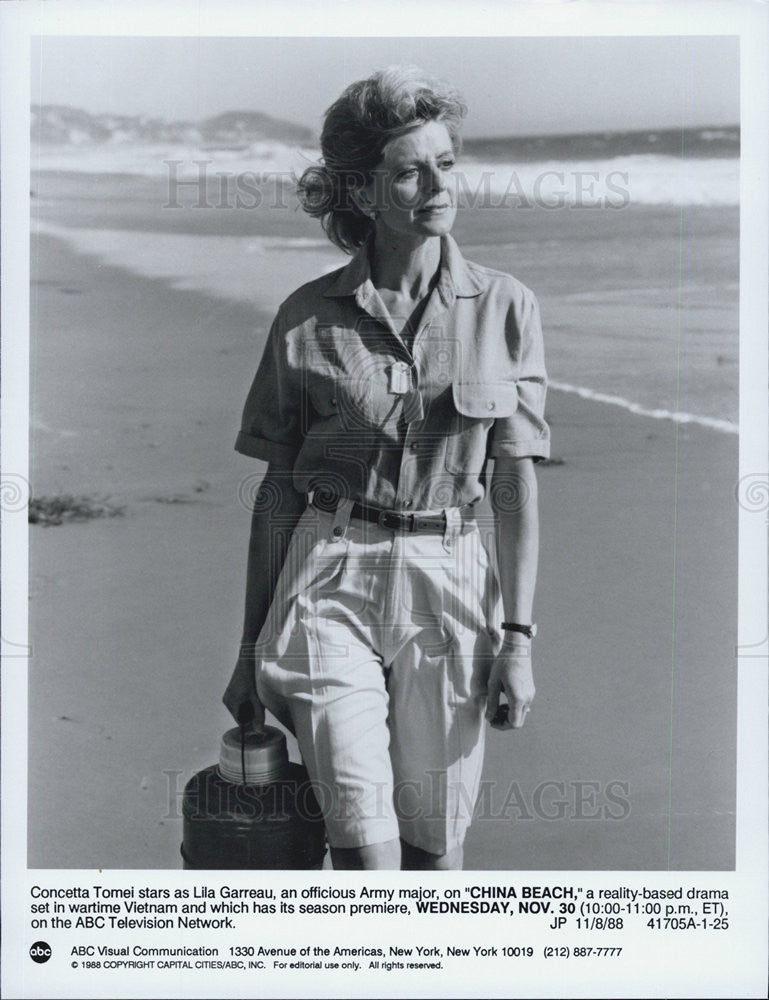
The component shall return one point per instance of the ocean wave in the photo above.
(642, 179)
(263, 160)
(612, 182)
(655, 413)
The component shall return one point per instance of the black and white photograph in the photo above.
(388, 488)
(164, 250)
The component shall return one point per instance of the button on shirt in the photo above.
(341, 398)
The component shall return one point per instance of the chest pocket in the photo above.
(342, 400)
(476, 406)
(351, 404)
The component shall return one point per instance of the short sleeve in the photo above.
(525, 433)
(271, 424)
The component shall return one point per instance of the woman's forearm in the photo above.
(515, 504)
(272, 524)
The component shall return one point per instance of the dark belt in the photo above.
(394, 520)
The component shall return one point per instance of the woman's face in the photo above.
(413, 188)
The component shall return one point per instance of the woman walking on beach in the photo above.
(379, 626)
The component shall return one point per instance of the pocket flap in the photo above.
(339, 394)
(485, 399)
(324, 397)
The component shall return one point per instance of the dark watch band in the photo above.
(528, 630)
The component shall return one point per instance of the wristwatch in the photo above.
(528, 630)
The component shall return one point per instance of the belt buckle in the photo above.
(434, 523)
(394, 521)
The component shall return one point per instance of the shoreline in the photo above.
(640, 303)
(134, 619)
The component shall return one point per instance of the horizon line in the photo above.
(468, 138)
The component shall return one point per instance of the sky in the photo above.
(513, 85)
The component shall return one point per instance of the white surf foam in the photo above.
(636, 179)
(677, 416)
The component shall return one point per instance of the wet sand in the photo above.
(628, 758)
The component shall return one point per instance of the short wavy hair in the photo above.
(356, 129)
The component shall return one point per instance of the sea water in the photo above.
(631, 243)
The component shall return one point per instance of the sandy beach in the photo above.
(628, 759)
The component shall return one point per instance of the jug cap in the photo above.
(261, 753)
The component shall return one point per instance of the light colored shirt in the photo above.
(341, 399)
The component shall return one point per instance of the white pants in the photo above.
(376, 653)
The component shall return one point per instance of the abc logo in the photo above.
(40, 951)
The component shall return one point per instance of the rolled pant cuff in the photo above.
(344, 838)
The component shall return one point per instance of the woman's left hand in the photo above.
(511, 676)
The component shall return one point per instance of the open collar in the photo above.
(456, 279)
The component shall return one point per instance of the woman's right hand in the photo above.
(241, 698)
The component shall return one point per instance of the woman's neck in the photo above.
(404, 267)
